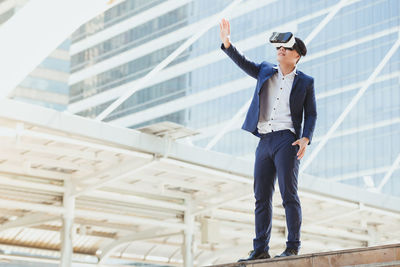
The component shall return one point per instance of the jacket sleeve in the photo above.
(248, 66)
(310, 112)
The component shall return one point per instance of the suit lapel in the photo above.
(293, 90)
(273, 71)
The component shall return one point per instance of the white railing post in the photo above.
(67, 224)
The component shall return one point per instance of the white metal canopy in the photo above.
(139, 197)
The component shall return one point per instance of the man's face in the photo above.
(286, 56)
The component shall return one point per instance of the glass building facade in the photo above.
(47, 85)
(203, 89)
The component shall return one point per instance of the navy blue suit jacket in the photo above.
(302, 96)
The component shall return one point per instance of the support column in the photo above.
(67, 223)
(188, 238)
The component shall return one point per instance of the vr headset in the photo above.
(285, 39)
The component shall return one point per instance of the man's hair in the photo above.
(300, 47)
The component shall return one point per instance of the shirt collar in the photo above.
(294, 72)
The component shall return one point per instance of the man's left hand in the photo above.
(302, 142)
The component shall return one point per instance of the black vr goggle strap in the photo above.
(296, 47)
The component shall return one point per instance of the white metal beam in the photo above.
(142, 82)
(54, 150)
(138, 200)
(325, 21)
(361, 128)
(68, 140)
(12, 204)
(14, 181)
(322, 188)
(218, 174)
(82, 190)
(361, 173)
(350, 106)
(98, 215)
(389, 173)
(24, 169)
(88, 214)
(339, 216)
(67, 230)
(35, 159)
(159, 190)
(188, 236)
(242, 195)
(179, 181)
(228, 126)
(113, 169)
(327, 232)
(28, 220)
(105, 251)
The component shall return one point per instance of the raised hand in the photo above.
(225, 32)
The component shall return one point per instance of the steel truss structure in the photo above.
(109, 194)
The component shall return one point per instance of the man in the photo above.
(275, 115)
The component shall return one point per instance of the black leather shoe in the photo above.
(288, 252)
(256, 255)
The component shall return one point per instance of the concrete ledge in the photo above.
(387, 255)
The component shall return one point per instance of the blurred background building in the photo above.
(203, 89)
(47, 85)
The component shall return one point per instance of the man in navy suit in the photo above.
(275, 115)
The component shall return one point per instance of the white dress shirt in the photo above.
(274, 103)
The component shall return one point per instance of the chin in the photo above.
(282, 61)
